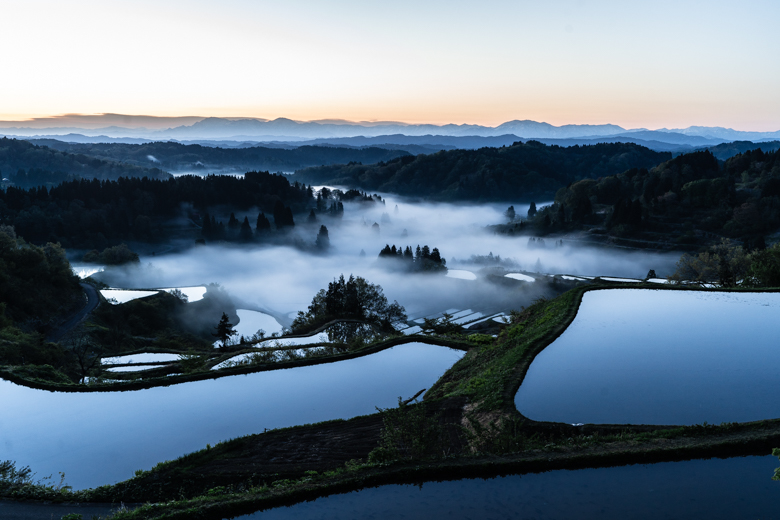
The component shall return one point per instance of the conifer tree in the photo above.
(323, 240)
(224, 330)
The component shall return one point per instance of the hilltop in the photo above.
(521, 172)
(26, 164)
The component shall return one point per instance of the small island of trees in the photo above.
(352, 298)
(422, 259)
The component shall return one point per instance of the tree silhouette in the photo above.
(233, 223)
(353, 298)
(245, 234)
(224, 330)
(323, 241)
(263, 224)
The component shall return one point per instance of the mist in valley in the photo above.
(282, 279)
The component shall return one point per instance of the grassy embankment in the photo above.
(480, 433)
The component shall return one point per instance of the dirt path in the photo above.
(92, 302)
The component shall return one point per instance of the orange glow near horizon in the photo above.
(637, 65)
(421, 117)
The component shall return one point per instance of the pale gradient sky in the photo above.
(632, 63)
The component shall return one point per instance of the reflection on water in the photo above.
(118, 296)
(144, 357)
(714, 489)
(193, 294)
(100, 438)
(660, 357)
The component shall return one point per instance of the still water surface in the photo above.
(713, 489)
(660, 357)
(103, 437)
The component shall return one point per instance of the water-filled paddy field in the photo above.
(739, 487)
(660, 357)
(100, 438)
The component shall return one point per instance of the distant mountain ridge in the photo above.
(284, 129)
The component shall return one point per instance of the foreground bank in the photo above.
(467, 426)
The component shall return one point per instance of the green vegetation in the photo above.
(690, 201)
(486, 374)
(730, 265)
(95, 215)
(28, 166)
(224, 330)
(725, 151)
(466, 426)
(37, 283)
(116, 255)
(19, 482)
(422, 260)
(530, 171)
(444, 326)
(162, 321)
(193, 157)
(39, 290)
(349, 299)
(409, 432)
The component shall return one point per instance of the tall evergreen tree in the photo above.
(323, 240)
(263, 224)
(224, 330)
(245, 233)
(233, 223)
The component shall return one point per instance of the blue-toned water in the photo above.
(713, 489)
(660, 357)
(101, 438)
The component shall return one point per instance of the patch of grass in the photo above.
(486, 374)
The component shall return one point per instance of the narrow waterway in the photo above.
(715, 489)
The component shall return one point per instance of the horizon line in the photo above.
(20, 120)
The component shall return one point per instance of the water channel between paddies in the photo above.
(714, 489)
(660, 357)
(103, 437)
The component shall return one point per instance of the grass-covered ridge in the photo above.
(486, 376)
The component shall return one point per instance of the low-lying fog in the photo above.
(282, 280)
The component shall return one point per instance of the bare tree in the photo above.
(87, 353)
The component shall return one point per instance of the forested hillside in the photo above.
(27, 165)
(727, 150)
(36, 283)
(173, 156)
(95, 214)
(691, 200)
(521, 172)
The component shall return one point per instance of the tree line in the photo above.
(422, 259)
(26, 165)
(94, 214)
(693, 199)
(523, 171)
(173, 156)
(352, 298)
